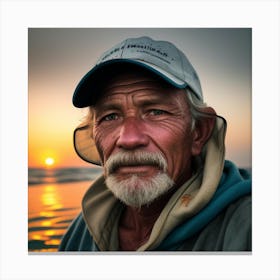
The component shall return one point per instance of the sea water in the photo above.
(54, 200)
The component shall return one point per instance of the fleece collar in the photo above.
(102, 210)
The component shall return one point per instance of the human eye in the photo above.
(106, 118)
(157, 112)
(110, 117)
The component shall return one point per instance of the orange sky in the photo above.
(58, 58)
(50, 135)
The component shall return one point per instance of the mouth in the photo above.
(139, 170)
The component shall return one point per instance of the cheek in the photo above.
(179, 149)
(104, 140)
(174, 134)
(175, 141)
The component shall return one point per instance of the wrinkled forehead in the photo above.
(131, 77)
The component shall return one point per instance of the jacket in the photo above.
(210, 212)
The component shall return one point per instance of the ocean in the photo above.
(54, 200)
(61, 175)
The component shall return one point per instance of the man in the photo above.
(166, 185)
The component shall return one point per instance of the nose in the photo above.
(132, 135)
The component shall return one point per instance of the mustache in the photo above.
(135, 159)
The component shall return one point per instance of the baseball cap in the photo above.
(162, 58)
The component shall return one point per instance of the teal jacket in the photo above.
(224, 224)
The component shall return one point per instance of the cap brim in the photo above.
(87, 90)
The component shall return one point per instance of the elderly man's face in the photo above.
(138, 115)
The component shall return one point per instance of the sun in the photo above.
(49, 161)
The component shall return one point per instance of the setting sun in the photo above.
(49, 161)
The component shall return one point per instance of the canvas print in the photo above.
(139, 139)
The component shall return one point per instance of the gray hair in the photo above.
(195, 105)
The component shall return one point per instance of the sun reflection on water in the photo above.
(50, 197)
(49, 232)
(51, 209)
(46, 223)
(53, 242)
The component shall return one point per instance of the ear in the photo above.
(203, 129)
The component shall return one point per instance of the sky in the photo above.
(59, 57)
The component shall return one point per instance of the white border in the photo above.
(17, 16)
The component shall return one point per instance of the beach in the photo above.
(53, 204)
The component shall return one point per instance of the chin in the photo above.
(137, 191)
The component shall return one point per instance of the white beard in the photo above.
(137, 191)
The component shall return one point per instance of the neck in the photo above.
(136, 223)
